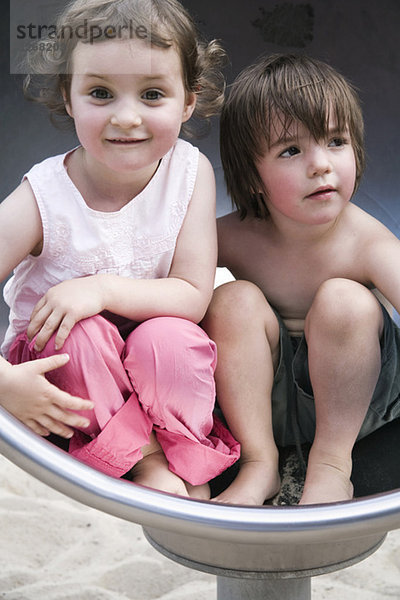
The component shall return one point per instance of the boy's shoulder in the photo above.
(234, 229)
(233, 222)
(238, 238)
(229, 220)
(363, 222)
(352, 217)
(367, 240)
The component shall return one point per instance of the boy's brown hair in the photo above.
(282, 88)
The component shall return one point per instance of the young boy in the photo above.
(306, 351)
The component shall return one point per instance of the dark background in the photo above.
(359, 38)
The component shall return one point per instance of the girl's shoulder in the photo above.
(178, 169)
(182, 145)
(182, 152)
(50, 163)
(48, 175)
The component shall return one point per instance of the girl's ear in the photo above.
(67, 103)
(190, 105)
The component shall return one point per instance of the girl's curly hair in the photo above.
(162, 23)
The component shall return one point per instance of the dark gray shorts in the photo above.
(293, 411)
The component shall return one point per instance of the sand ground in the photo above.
(53, 548)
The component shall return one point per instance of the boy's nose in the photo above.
(319, 162)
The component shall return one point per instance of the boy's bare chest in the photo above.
(289, 285)
(290, 278)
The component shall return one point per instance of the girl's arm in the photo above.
(187, 290)
(26, 394)
(185, 293)
(24, 391)
(20, 228)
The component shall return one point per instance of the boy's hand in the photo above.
(26, 394)
(61, 307)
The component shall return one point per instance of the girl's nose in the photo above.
(126, 116)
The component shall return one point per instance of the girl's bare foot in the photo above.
(153, 470)
(256, 481)
(201, 492)
(327, 480)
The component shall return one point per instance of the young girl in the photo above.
(114, 250)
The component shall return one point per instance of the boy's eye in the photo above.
(337, 142)
(100, 94)
(290, 152)
(152, 95)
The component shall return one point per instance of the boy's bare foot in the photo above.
(327, 480)
(256, 481)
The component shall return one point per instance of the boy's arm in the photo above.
(381, 257)
(185, 293)
(229, 236)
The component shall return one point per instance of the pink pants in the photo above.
(161, 378)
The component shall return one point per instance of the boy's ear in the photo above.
(190, 105)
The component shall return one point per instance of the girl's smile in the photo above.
(127, 141)
(128, 102)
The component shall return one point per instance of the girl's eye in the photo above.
(100, 94)
(292, 151)
(152, 95)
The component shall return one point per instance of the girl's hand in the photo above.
(61, 307)
(26, 394)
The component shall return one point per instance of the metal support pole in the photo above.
(231, 588)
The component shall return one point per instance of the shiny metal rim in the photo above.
(123, 499)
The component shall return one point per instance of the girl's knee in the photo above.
(95, 332)
(163, 329)
(170, 360)
(165, 339)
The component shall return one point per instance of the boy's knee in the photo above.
(238, 310)
(343, 304)
(236, 298)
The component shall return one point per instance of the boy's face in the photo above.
(308, 181)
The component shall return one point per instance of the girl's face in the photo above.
(308, 181)
(128, 102)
